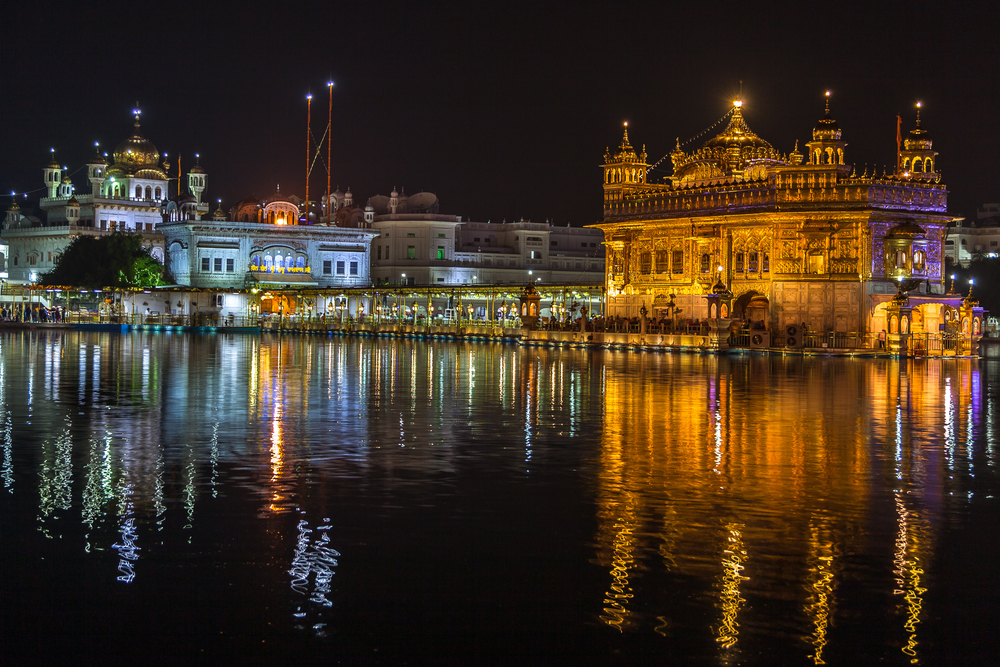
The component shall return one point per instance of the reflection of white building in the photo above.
(980, 239)
(419, 246)
(130, 194)
(265, 244)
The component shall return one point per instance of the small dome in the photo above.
(14, 207)
(918, 140)
(53, 164)
(197, 168)
(66, 180)
(905, 230)
(73, 202)
(394, 193)
(759, 301)
(737, 134)
(720, 288)
(827, 129)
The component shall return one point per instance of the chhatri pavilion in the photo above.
(794, 238)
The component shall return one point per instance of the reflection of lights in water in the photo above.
(731, 601)
(52, 352)
(82, 374)
(717, 417)
(949, 425)
(969, 442)
(158, 504)
(7, 472)
(190, 488)
(616, 598)
(214, 458)
(128, 552)
(899, 439)
(990, 421)
(144, 386)
(908, 573)
(820, 589)
(313, 566)
(55, 489)
(97, 489)
(277, 454)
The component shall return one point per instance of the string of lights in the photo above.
(14, 195)
(682, 144)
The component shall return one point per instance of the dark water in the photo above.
(227, 499)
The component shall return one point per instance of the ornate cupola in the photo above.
(624, 169)
(917, 160)
(13, 215)
(53, 175)
(97, 170)
(196, 179)
(826, 147)
(73, 211)
(65, 187)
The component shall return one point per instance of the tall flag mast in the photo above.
(308, 148)
(329, 155)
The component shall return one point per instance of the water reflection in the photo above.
(735, 501)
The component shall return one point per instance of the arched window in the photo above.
(289, 262)
(268, 264)
(301, 262)
(917, 166)
(158, 193)
(928, 166)
(138, 192)
(706, 263)
(270, 217)
(149, 192)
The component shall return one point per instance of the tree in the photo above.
(116, 260)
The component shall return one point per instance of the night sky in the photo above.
(504, 110)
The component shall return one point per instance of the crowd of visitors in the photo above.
(30, 313)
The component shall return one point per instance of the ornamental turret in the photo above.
(196, 179)
(65, 188)
(53, 175)
(826, 147)
(97, 171)
(13, 216)
(916, 159)
(624, 169)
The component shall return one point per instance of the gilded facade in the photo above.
(823, 244)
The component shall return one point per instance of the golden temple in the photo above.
(815, 241)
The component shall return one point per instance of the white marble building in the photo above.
(131, 194)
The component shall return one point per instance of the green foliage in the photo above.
(115, 260)
(985, 271)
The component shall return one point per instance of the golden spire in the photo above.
(919, 104)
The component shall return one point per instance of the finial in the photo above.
(137, 112)
(828, 102)
(737, 103)
(796, 149)
(678, 144)
(919, 104)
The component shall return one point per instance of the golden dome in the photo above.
(197, 168)
(136, 152)
(14, 207)
(737, 134)
(73, 202)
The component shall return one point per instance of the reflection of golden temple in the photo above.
(675, 447)
(730, 601)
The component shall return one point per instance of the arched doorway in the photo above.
(274, 304)
(741, 303)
